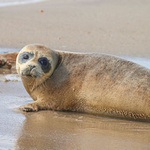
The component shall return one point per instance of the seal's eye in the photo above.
(43, 61)
(25, 56)
(45, 65)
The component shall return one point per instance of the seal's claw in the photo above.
(28, 109)
(31, 107)
(8, 60)
(4, 63)
(9, 65)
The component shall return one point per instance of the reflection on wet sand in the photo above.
(64, 130)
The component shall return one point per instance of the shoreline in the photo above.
(8, 49)
(16, 3)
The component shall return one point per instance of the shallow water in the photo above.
(139, 60)
(64, 130)
(4, 3)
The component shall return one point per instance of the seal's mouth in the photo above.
(31, 71)
(30, 75)
(26, 74)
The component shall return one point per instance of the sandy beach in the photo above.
(105, 26)
(120, 27)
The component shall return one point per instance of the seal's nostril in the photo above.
(31, 67)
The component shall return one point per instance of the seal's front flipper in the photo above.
(30, 107)
(4, 63)
(34, 106)
(8, 60)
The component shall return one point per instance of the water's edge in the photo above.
(139, 60)
(4, 3)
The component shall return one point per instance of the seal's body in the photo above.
(96, 84)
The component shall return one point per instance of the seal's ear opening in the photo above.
(58, 61)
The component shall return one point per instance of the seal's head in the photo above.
(36, 61)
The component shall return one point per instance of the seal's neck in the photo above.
(29, 83)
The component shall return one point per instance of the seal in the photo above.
(8, 60)
(90, 83)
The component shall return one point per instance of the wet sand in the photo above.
(118, 27)
(63, 130)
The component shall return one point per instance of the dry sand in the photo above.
(120, 27)
(107, 26)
